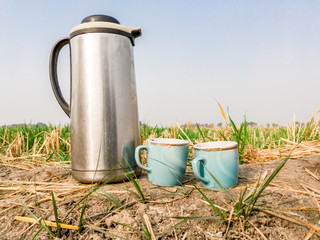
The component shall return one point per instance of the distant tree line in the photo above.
(29, 125)
(186, 125)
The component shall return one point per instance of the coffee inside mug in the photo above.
(168, 141)
(216, 146)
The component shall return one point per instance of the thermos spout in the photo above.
(136, 32)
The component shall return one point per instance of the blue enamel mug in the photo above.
(219, 159)
(166, 160)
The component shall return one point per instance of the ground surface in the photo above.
(294, 193)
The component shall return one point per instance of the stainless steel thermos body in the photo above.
(103, 106)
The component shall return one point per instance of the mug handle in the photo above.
(196, 166)
(137, 157)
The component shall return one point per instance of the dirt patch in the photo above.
(293, 196)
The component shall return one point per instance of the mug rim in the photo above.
(216, 146)
(168, 142)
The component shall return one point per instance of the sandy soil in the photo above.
(294, 197)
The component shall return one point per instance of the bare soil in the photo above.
(293, 197)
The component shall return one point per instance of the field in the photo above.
(278, 195)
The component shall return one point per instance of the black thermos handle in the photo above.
(53, 73)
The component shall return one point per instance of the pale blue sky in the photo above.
(259, 58)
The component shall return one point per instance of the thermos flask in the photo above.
(103, 100)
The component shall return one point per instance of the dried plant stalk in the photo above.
(48, 223)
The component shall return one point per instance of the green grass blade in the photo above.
(315, 218)
(137, 187)
(81, 216)
(234, 128)
(220, 185)
(37, 233)
(201, 133)
(204, 196)
(168, 195)
(239, 205)
(223, 136)
(208, 200)
(184, 190)
(94, 188)
(171, 228)
(32, 215)
(108, 205)
(245, 132)
(271, 177)
(112, 198)
(131, 176)
(55, 210)
(27, 209)
(241, 128)
(216, 223)
(132, 228)
(126, 189)
(257, 194)
(51, 155)
(145, 229)
(95, 172)
(252, 191)
(193, 217)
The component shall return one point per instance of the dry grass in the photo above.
(262, 144)
(35, 191)
(43, 143)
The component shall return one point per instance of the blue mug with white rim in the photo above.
(216, 160)
(166, 160)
